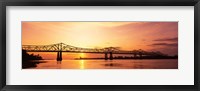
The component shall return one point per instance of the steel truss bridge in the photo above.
(61, 47)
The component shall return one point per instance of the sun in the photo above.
(82, 55)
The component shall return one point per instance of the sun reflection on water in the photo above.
(81, 64)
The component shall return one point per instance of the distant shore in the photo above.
(166, 57)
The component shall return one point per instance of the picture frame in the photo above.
(4, 3)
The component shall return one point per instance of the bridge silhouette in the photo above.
(61, 47)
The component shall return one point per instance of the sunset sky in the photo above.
(149, 36)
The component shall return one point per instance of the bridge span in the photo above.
(61, 47)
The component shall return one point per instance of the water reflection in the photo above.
(59, 62)
(114, 64)
(81, 64)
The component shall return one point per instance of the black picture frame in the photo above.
(4, 3)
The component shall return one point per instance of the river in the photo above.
(109, 64)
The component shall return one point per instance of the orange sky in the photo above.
(150, 36)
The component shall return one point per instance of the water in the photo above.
(108, 64)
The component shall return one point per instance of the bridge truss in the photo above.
(61, 47)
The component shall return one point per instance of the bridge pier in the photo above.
(111, 56)
(59, 56)
(134, 55)
(106, 56)
(140, 55)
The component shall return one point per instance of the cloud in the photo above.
(167, 50)
(149, 25)
(152, 30)
(165, 44)
(167, 39)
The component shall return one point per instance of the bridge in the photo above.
(61, 47)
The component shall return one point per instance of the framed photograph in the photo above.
(137, 45)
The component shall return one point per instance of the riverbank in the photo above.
(30, 60)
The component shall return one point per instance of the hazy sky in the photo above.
(150, 36)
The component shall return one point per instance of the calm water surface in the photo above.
(109, 64)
